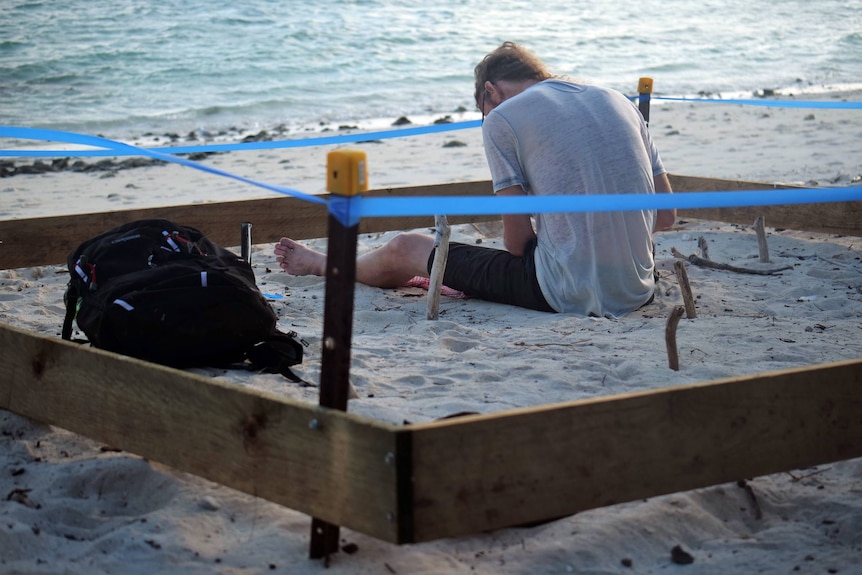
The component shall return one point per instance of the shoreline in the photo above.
(50, 157)
(236, 128)
(166, 139)
(281, 132)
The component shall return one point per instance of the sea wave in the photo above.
(123, 67)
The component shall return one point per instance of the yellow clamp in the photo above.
(346, 172)
(645, 86)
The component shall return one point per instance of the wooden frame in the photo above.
(448, 478)
(25, 243)
(405, 484)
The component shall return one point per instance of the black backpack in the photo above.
(165, 293)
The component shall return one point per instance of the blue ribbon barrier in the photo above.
(350, 210)
(120, 148)
(380, 135)
(346, 209)
(134, 151)
(770, 103)
(494, 205)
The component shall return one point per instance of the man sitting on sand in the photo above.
(543, 136)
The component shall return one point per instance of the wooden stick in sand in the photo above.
(441, 243)
(698, 261)
(704, 247)
(685, 288)
(670, 337)
(761, 239)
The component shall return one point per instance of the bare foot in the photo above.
(299, 260)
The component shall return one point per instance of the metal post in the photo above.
(346, 177)
(245, 239)
(644, 95)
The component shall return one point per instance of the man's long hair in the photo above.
(508, 62)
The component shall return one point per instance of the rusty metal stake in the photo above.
(346, 177)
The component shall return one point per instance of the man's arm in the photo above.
(517, 228)
(664, 218)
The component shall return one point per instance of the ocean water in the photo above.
(122, 68)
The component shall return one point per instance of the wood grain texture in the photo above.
(478, 473)
(843, 218)
(43, 241)
(258, 443)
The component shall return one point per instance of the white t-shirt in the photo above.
(561, 138)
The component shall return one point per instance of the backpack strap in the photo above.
(277, 354)
(71, 298)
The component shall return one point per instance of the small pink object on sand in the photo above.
(424, 283)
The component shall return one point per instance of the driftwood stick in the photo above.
(762, 248)
(758, 511)
(694, 259)
(670, 337)
(704, 247)
(685, 288)
(438, 267)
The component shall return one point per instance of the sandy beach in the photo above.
(70, 506)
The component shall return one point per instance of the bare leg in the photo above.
(391, 265)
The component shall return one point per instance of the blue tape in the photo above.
(770, 103)
(321, 141)
(120, 148)
(350, 210)
(386, 134)
(345, 209)
(485, 205)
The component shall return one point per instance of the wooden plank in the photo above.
(41, 241)
(258, 443)
(376, 225)
(451, 478)
(478, 473)
(844, 218)
(697, 184)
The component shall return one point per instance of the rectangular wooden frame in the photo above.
(405, 484)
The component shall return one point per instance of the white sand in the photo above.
(68, 507)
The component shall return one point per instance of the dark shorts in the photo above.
(494, 275)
